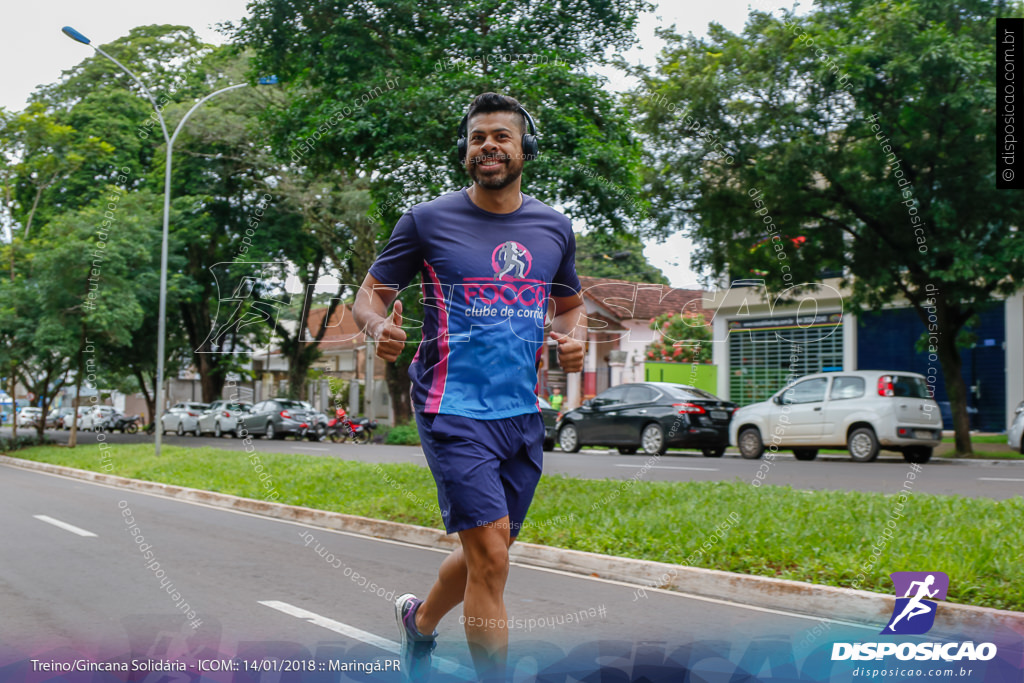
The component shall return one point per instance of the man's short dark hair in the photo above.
(488, 102)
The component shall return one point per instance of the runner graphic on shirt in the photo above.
(511, 255)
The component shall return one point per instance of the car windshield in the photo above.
(909, 386)
(690, 393)
(292, 405)
(236, 406)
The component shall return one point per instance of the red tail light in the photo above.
(688, 408)
(191, 414)
(885, 386)
(735, 409)
(286, 415)
(227, 414)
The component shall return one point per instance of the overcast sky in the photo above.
(33, 51)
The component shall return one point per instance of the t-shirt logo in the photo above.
(511, 259)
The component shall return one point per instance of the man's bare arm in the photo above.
(568, 328)
(370, 312)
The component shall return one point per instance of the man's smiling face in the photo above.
(494, 156)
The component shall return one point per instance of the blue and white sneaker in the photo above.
(416, 647)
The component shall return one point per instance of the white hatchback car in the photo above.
(863, 411)
(29, 416)
(92, 418)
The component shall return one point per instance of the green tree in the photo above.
(82, 280)
(683, 338)
(615, 255)
(866, 127)
(221, 168)
(377, 89)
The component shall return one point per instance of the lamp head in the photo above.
(75, 35)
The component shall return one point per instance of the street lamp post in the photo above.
(169, 139)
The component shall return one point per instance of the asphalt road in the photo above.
(259, 587)
(997, 479)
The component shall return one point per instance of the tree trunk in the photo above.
(73, 438)
(211, 381)
(150, 398)
(956, 389)
(14, 405)
(399, 385)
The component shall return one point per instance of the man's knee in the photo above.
(486, 555)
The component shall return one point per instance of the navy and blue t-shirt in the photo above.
(486, 282)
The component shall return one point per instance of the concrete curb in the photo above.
(825, 602)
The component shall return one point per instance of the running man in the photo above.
(915, 606)
(474, 377)
(513, 259)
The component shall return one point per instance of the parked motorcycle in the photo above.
(315, 429)
(358, 430)
(118, 422)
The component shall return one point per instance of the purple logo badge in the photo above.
(916, 593)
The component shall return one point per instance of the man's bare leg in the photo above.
(447, 592)
(475, 573)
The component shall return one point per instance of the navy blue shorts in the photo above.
(484, 469)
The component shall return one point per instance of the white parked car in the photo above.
(182, 418)
(1015, 434)
(29, 416)
(864, 411)
(92, 418)
(221, 418)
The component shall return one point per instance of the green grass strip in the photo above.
(835, 538)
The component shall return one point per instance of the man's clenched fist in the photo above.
(570, 352)
(389, 335)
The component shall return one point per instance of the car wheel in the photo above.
(863, 444)
(750, 443)
(271, 434)
(216, 430)
(805, 453)
(717, 452)
(627, 450)
(181, 430)
(917, 455)
(569, 438)
(198, 432)
(652, 440)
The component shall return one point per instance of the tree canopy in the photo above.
(857, 139)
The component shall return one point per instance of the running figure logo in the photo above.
(916, 587)
(511, 257)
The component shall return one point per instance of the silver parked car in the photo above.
(864, 411)
(181, 418)
(275, 418)
(221, 418)
(1015, 434)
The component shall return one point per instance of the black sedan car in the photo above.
(274, 418)
(550, 416)
(652, 416)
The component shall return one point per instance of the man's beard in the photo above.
(510, 170)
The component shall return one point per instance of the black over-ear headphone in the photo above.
(530, 146)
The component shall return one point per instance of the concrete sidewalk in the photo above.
(825, 602)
